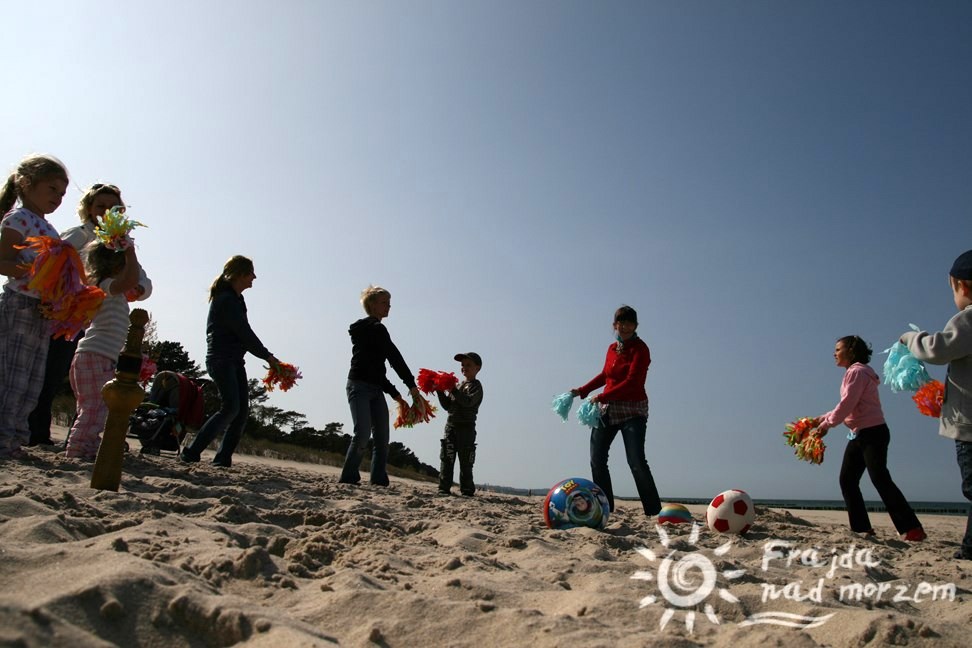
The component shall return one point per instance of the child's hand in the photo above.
(417, 400)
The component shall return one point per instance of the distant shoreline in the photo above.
(928, 508)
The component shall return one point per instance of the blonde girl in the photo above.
(38, 185)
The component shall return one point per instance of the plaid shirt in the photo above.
(616, 412)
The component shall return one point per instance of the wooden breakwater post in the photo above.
(122, 394)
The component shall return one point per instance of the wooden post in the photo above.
(122, 394)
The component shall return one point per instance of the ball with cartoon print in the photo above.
(576, 502)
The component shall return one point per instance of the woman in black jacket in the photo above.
(228, 338)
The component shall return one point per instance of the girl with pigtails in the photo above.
(38, 185)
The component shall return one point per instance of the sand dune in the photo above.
(277, 554)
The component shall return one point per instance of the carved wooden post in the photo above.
(122, 394)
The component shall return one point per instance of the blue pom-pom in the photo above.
(562, 403)
(589, 414)
(903, 371)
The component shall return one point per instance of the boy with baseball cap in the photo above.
(953, 345)
(459, 437)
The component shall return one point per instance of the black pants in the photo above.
(869, 451)
(459, 440)
(59, 356)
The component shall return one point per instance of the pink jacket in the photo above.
(860, 405)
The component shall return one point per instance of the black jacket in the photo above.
(228, 333)
(371, 346)
(463, 402)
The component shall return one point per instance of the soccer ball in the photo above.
(730, 511)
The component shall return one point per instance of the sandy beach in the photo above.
(273, 553)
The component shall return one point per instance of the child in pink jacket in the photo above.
(867, 447)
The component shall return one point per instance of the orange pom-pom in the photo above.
(929, 398)
(57, 275)
(807, 446)
(409, 415)
(285, 378)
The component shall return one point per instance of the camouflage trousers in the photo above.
(458, 441)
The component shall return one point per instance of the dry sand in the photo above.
(279, 554)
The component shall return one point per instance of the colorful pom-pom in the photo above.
(114, 229)
(589, 414)
(807, 445)
(148, 370)
(812, 449)
(929, 398)
(409, 415)
(430, 381)
(903, 371)
(57, 275)
(285, 378)
(562, 404)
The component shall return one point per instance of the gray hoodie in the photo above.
(952, 346)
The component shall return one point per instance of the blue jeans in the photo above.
(369, 414)
(633, 432)
(230, 379)
(963, 451)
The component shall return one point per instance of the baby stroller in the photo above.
(175, 404)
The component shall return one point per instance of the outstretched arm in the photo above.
(954, 342)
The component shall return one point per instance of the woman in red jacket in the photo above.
(624, 409)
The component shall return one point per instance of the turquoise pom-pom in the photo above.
(589, 414)
(562, 403)
(903, 371)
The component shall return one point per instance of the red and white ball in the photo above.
(730, 511)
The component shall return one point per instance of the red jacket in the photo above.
(624, 374)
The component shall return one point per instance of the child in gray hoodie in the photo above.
(953, 346)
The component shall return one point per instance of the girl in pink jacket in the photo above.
(867, 447)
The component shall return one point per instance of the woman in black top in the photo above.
(228, 338)
(371, 346)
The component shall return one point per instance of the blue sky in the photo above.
(757, 179)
